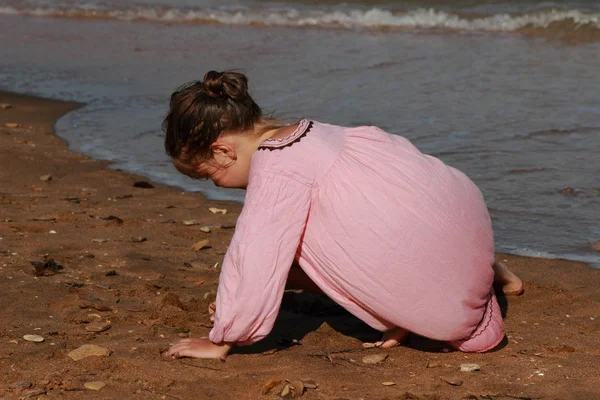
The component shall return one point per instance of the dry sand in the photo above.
(150, 298)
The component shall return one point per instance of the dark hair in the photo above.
(200, 111)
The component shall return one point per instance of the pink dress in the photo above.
(396, 237)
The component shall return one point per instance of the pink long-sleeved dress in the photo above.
(395, 236)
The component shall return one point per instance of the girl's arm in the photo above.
(256, 266)
(259, 258)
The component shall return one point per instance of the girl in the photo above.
(398, 238)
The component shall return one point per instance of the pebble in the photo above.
(88, 350)
(97, 327)
(451, 381)
(52, 232)
(215, 210)
(432, 364)
(191, 222)
(469, 367)
(139, 239)
(33, 338)
(5, 106)
(205, 229)
(12, 125)
(388, 383)
(374, 358)
(46, 178)
(96, 385)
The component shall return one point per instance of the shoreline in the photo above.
(151, 291)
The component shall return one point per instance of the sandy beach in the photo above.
(131, 284)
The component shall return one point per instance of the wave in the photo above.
(564, 20)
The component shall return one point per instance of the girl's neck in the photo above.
(270, 129)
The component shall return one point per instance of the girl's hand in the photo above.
(198, 348)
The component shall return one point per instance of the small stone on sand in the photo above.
(374, 358)
(139, 239)
(12, 125)
(33, 338)
(309, 384)
(46, 178)
(388, 383)
(88, 350)
(469, 367)
(190, 222)
(205, 229)
(5, 106)
(96, 385)
(97, 327)
(452, 381)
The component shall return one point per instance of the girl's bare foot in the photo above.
(390, 339)
(198, 348)
(511, 283)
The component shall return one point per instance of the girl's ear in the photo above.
(223, 154)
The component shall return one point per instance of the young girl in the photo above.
(396, 237)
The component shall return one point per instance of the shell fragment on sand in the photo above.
(96, 385)
(33, 338)
(215, 210)
(201, 245)
(374, 358)
(272, 383)
(469, 367)
(88, 350)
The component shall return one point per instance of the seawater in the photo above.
(505, 91)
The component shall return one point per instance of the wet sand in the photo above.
(153, 292)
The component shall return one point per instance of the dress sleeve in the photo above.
(259, 258)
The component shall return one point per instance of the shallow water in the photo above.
(516, 110)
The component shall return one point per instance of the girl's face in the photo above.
(229, 166)
(229, 175)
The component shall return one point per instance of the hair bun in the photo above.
(227, 85)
